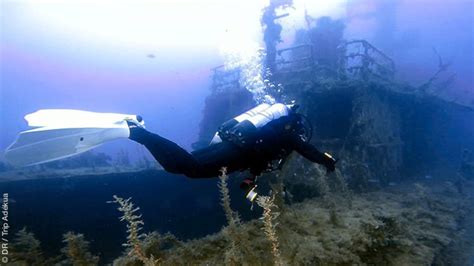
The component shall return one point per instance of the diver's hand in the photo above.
(329, 162)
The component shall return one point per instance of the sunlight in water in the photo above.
(228, 26)
(148, 24)
(242, 49)
(233, 27)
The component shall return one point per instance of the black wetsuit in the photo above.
(275, 140)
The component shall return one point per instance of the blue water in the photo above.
(105, 58)
(169, 203)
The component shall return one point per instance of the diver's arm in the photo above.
(313, 154)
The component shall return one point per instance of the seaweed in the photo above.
(269, 217)
(407, 225)
(76, 251)
(134, 226)
(361, 214)
(26, 249)
(232, 255)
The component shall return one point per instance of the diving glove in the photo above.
(329, 162)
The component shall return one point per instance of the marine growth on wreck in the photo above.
(402, 192)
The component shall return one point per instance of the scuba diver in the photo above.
(258, 140)
(251, 141)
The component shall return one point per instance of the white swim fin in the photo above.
(64, 133)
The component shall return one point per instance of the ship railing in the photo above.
(295, 58)
(224, 79)
(362, 59)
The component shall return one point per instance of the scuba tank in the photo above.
(226, 126)
(242, 129)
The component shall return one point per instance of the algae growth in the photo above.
(411, 224)
(402, 194)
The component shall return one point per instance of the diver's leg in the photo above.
(172, 157)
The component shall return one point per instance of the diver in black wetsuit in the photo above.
(253, 150)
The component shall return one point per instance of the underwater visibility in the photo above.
(225, 132)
